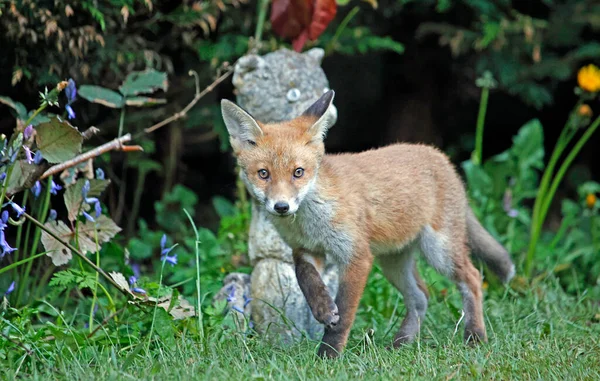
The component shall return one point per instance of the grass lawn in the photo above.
(537, 334)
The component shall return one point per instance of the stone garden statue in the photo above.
(272, 88)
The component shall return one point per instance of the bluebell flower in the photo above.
(135, 267)
(231, 295)
(28, 131)
(88, 217)
(52, 215)
(2, 176)
(37, 189)
(20, 210)
(71, 93)
(246, 300)
(170, 259)
(10, 289)
(98, 209)
(4, 220)
(85, 189)
(37, 158)
(28, 155)
(54, 187)
(99, 174)
(238, 309)
(132, 280)
(163, 242)
(138, 290)
(70, 112)
(6, 249)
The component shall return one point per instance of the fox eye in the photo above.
(298, 172)
(263, 174)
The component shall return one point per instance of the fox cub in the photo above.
(384, 203)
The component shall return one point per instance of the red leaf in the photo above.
(324, 12)
(290, 17)
(299, 41)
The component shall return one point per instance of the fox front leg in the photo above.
(315, 291)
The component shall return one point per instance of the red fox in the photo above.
(354, 207)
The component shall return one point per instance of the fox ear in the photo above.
(325, 113)
(241, 126)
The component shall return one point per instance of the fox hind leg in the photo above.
(447, 251)
(400, 270)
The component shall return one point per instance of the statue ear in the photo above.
(242, 127)
(322, 109)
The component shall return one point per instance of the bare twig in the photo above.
(199, 95)
(116, 144)
(105, 321)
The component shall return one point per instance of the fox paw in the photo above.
(326, 312)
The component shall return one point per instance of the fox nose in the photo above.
(281, 207)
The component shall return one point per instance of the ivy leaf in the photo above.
(58, 140)
(144, 101)
(59, 253)
(101, 95)
(104, 228)
(140, 82)
(73, 196)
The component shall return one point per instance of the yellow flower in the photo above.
(588, 78)
(590, 200)
(585, 110)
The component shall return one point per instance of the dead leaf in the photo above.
(59, 253)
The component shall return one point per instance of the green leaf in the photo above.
(58, 140)
(139, 249)
(17, 106)
(73, 196)
(223, 206)
(147, 81)
(528, 145)
(144, 101)
(59, 253)
(101, 95)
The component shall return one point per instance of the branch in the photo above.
(116, 144)
(199, 95)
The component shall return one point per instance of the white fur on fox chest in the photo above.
(312, 229)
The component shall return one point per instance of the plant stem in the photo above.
(95, 291)
(198, 294)
(162, 267)
(478, 154)
(260, 22)
(19, 263)
(340, 29)
(555, 183)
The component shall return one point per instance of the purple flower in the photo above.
(70, 112)
(5, 217)
(88, 217)
(37, 189)
(246, 300)
(85, 189)
(132, 280)
(135, 267)
(231, 295)
(170, 259)
(17, 208)
(513, 213)
(71, 91)
(52, 215)
(99, 174)
(2, 176)
(163, 242)
(28, 154)
(138, 290)
(6, 249)
(28, 131)
(37, 158)
(97, 209)
(238, 309)
(10, 289)
(54, 187)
